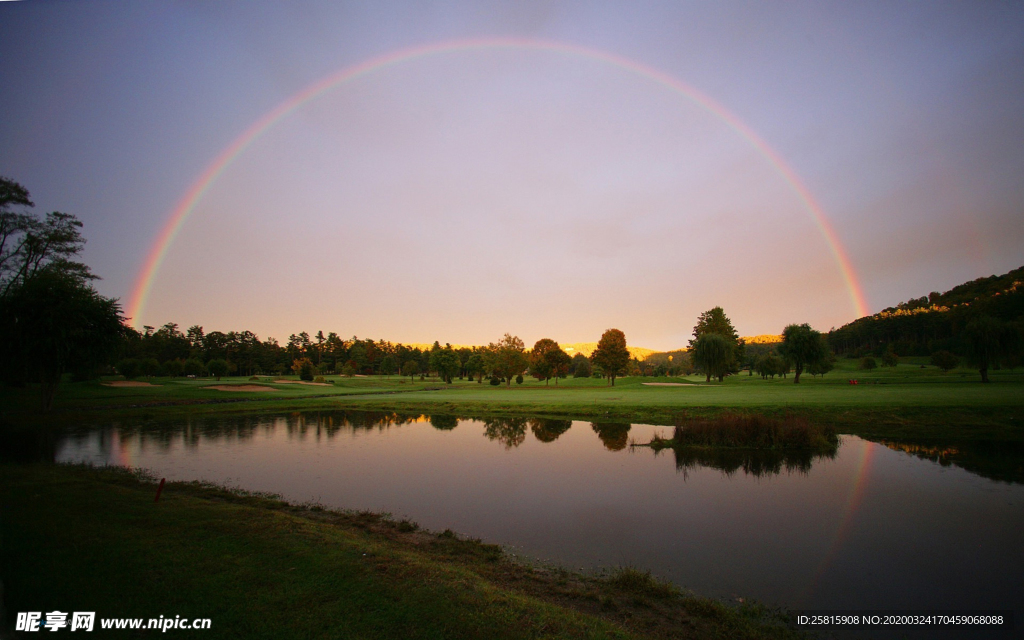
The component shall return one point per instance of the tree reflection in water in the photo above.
(510, 432)
(548, 430)
(754, 462)
(614, 435)
(444, 422)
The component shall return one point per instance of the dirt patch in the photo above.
(240, 387)
(671, 384)
(128, 383)
(312, 384)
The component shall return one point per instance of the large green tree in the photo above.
(802, 346)
(548, 360)
(714, 321)
(611, 354)
(713, 354)
(507, 359)
(446, 363)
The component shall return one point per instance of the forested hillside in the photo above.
(922, 326)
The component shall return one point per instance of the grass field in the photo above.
(908, 401)
(81, 539)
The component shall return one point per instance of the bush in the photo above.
(889, 358)
(494, 381)
(174, 368)
(129, 368)
(868, 363)
(519, 379)
(945, 360)
(194, 367)
(320, 379)
(217, 367)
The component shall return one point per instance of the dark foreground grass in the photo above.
(83, 539)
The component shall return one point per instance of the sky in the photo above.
(460, 170)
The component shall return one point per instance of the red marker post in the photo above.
(159, 489)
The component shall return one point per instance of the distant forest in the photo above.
(936, 322)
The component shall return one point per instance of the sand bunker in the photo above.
(312, 384)
(240, 387)
(671, 384)
(128, 383)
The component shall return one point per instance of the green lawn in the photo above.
(908, 401)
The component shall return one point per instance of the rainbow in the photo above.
(854, 498)
(185, 206)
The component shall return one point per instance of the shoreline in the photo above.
(104, 536)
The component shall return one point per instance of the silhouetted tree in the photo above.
(945, 360)
(802, 345)
(988, 341)
(54, 322)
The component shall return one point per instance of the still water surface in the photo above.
(870, 527)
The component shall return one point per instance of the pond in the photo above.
(878, 526)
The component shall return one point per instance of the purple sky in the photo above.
(466, 194)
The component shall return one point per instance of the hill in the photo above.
(587, 348)
(921, 326)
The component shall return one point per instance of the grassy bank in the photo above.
(82, 539)
(902, 403)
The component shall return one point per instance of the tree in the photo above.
(713, 354)
(475, 367)
(802, 346)
(446, 363)
(611, 354)
(548, 360)
(217, 367)
(53, 322)
(988, 341)
(303, 367)
(581, 366)
(945, 360)
(128, 367)
(387, 365)
(889, 358)
(410, 368)
(824, 365)
(29, 245)
(868, 363)
(714, 321)
(194, 367)
(507, 358)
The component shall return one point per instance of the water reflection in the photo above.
(1003, 461)
(510, 432)
(752, 462)
(614, 435)
(548, 430)
(444, 422)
